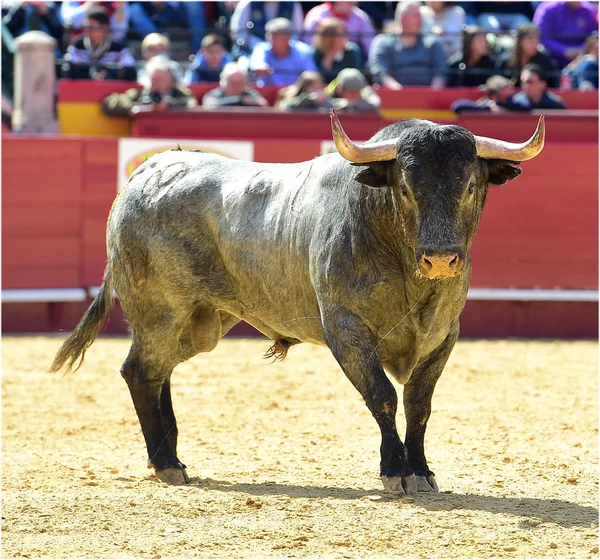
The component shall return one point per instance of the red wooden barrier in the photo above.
(81, 91)
(41, 212)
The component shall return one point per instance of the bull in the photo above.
(365, 251)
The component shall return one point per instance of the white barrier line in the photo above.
(531, 295)
(498, 294)
(93, 292)
(43, 295)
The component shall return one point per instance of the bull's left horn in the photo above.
(360, 153)
(490, 148)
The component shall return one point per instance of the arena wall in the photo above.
(539, 232)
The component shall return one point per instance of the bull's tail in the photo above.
(74, 348)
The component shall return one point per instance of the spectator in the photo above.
(332, 52)
(209, 62)
(352, 93)
(534, 92)
(155, 44)
(408, 59)
(280, 60)
(161, 91)
(499, 16)
(359, 26)
(249, 23)
(446, 21)
(498, 98)
(233, 90)
(527, 50)
(474, 65)
(97, 55)
(564, 27)
(73, 14)
(35, 16)
(307, 93)
(584, 69)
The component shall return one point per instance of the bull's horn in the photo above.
(490, 148)
(360, 153)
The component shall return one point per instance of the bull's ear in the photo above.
(501, 171)
(376, 174)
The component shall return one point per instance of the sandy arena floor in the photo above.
(283, 458)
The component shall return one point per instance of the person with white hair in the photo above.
(233, 90)
(161, 91)
(408, 58)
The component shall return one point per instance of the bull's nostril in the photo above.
(426, 264)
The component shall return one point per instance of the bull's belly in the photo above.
(278, 318)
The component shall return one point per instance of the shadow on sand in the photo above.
(565, 514)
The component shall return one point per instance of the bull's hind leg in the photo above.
(148, 381)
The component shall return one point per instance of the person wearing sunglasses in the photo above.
(534, 92)
(96, 54)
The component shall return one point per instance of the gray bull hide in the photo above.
(369, 257)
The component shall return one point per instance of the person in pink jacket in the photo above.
(359, 26)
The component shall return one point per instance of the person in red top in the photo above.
(359, 26)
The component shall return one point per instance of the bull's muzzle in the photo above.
(438, 265)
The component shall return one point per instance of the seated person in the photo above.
(564, 27)
(209, 62)
(408, 58)
(249, 19)
(73, 14)
(280, 60)
(534, 92)
(357, 22)
(583, 71)
(96, 55)
(307, 93)
(233, 90)
(498, 99)
(528, 50)
(161, 91)
(352, 93)
(332, 52)
(474, 65)
(154, 44)
(446, 21)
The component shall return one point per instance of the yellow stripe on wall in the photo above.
(394, 114)
(87, 119)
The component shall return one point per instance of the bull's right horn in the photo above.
(490, 148)
(360, 153)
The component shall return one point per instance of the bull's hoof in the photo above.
(173, 476)
(404, 485)
(427, 483)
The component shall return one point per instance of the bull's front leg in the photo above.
(418, 392)
(353, 346)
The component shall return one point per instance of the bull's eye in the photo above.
(404, 192)
(471, 189)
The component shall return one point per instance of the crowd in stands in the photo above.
(331, 54)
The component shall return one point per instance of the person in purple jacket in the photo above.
(564, 27)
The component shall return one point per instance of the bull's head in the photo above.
(440, 175)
